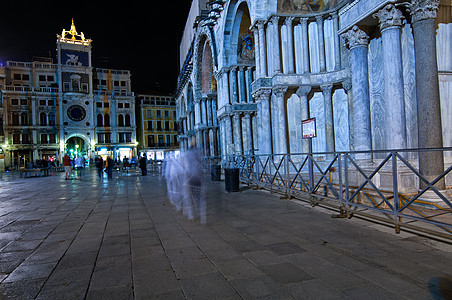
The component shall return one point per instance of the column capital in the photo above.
(355, 37)
(303, 90)
(423, 9)
(304, 21)
(347, 85)
(221, 72)
(262, 94)
(389, 16)
(327, 89)
(260, 24)
(288, 21)
(274, 20)
(280, 91)
(319, 18)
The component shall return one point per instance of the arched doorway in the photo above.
(77, 146)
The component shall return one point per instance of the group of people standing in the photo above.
(78, 164)
(184, 179)
(109, 164)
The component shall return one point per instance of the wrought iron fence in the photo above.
(390, 188)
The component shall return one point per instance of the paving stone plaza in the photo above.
(121, 239)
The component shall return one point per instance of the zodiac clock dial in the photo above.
(76, 113)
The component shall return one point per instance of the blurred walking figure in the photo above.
(125, 165)
(99, 165)
(184, 179)
(172, 171)
(143, 166)
(194, 202)
(109, 167)
(67, 166)
(78, 164)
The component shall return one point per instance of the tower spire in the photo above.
(75, 37)
(73, 31)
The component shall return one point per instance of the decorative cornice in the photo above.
(355, 37)
(389, 16)
(423, 9)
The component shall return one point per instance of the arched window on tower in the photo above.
(107, 120)
(120, 120)
(43, 119)
(75, 82)
(128, 120)
(24, 119)
(52, 119)
(100, 120)
(15, 119)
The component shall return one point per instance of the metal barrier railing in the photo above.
(390, 188)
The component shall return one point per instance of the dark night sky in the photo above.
(141, 36)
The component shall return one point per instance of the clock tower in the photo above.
(76, 99)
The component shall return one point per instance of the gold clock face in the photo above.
(76, 113)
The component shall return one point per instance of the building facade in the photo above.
(69, 107)
(158, 128)
(253, 70)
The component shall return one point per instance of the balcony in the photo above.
(31, 89)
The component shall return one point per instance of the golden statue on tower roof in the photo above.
(74, 38)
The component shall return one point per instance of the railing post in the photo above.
(395, 188)
(286, 172)
(347, 192)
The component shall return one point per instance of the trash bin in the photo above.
(231, 180)
(215, 173)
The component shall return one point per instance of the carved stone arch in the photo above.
(235, 11)
(203, 38)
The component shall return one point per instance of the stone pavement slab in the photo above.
(121, 239)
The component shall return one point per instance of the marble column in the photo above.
(303, 92)
(246, 132)
(234, 86)
(228, 135)
(249, 138)
(322, 58)
(209, 111)
(236, 122)
(262, 48)
(257, 55)
(249, 82)
(214, 112)
(348, 87)
(329, 122)
(337, 42)
(390, 25)
(204, 111)
(290, 45)
(223, 95)
(357, 41)
(242, 84)
(305, 44)
(264, 115)
(197, 115)
(281, 127)
(276, 45)
(423, 18)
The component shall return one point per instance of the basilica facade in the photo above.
(371, 74)
(50, 109)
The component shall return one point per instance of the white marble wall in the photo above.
(317, 111)
(314, 47)
(340, 115)
(444, 50)
(409, 78)
(294, 123)
(328, 30)
(376, 91)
